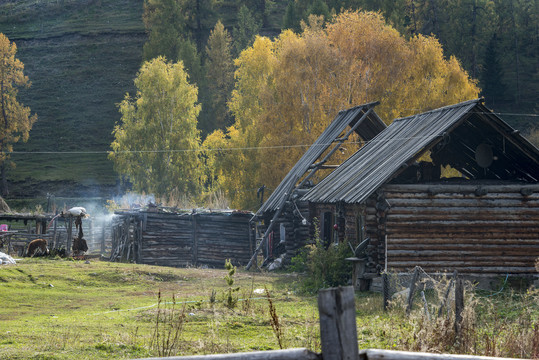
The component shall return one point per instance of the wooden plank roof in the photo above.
(407, 139)
(369, 126)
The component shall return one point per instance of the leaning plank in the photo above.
(287, 354)
(375, 354)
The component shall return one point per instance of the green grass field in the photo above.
(65, 309)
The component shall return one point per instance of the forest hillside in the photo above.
(82, 56)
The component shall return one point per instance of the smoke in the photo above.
(133, 200)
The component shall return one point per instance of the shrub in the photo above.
(230, 299)
(325, 267)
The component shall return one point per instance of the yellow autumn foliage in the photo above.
(288, 90)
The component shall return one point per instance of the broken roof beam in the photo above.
(367, 127)
(337, 146)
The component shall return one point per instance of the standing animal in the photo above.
(37, 244)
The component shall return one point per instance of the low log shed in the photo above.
(171, 237)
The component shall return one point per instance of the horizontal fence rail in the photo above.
(288, 354)
(375, 354)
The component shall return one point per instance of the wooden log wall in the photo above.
(475, 229)
(178, 240)
(316, 214)
(167, 240)
(303, 233)
(220, 237)
(376, 218)
(297, 235)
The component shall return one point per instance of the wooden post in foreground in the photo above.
(338, 333)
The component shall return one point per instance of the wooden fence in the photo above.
(338, 335)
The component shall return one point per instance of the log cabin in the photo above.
(398, 191)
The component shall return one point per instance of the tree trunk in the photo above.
(199, 27)
(517, 57)
(3, 174)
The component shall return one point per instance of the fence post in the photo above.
(459, 305)
(444, 299)
(103, 224)
(55, 235)
(69, 235)
(385, 289)
(413, 282)
(338, 333)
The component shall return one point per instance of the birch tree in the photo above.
(156, 144)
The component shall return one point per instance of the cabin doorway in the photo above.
(327, 228)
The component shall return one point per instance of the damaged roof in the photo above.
(370, 125)
(467, 136)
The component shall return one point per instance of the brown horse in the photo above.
(36, 244)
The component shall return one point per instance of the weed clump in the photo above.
(168, 327)
(276, 325)
(499, 325)
(324, 266)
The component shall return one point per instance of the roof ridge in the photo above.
(374, 103)
(464, 103)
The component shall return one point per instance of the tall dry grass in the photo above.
(502, 324)
(168, 327)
